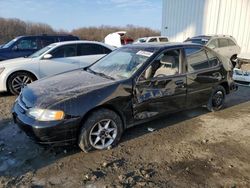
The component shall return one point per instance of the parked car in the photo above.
(225, 45)
(118, 39)
(131, 85)
(241, 74)
(53, 59)
(24, 46)
(155, 39)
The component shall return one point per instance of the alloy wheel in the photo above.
(217, 99)
(20, 81)
(103, 134)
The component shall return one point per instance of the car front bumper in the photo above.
(54, 132)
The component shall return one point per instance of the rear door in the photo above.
(64, 58)
(203, 72)
(89, 53)
(162, 86)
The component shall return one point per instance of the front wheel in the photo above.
(217, 99)
(18, 80)
(101, 130)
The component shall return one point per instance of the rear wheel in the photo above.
(217, 99)
(101, 130)
(18, 80)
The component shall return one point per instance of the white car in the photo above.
(154, 39)
(225, 45)
(241, 73)
(53, 59)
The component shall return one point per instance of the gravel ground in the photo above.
(193, 148)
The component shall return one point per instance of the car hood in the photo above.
(16, 61)
(48, 91)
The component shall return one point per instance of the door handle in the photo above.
(179, 82)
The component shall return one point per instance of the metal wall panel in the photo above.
(186, 18)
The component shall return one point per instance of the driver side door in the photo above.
(162, 86)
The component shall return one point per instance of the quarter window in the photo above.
(163, 39)
(64, 51)
(196, 59)
(231, 43)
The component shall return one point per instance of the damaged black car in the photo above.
(134, 84)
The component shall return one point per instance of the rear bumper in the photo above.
(54, 132)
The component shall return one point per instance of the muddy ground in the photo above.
(194, 148)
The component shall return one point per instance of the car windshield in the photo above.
(122, 63)
(201, 41)
(7, 45)
(42, 51)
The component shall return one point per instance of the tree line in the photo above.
(11, 28)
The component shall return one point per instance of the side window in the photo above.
(223, 42)
(92, 49)
(153, 40)
(213, 44)
(213, 60)
(42, 42)
(166, 64)
(27, 44)
(163, 39)
(231, 43)
(196, 59)
(64, 51)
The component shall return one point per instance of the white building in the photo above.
(186, 18)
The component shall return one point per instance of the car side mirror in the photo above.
(47, 56)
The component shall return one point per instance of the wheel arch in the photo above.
(17, 71)
(104, 106)
(225, 86)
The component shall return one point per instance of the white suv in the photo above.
(154, 39)
(223, 44)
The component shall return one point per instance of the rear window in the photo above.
(163, 39)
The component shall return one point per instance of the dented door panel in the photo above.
(159, 95)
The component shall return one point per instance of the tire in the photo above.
(217, 99)
(91, 132)
(18, 80)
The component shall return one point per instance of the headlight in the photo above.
(1, 69)
(45, 115)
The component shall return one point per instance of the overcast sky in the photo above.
(70, 14)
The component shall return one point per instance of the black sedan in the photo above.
(135, 83)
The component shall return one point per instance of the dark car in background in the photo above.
(131, 85)
(24, 46)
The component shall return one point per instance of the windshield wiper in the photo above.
(100, 74)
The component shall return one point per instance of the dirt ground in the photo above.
(193, 148)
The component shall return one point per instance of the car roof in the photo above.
(82, 42)
(159, 46)
(211, 36)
